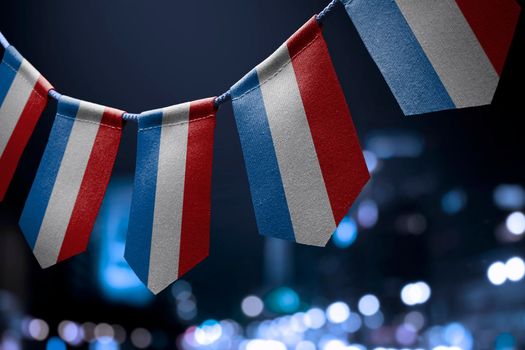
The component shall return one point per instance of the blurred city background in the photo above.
(431, 255)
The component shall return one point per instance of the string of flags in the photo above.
(304, 163)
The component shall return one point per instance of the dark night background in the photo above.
(440, 217)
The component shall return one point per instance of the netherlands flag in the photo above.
(437, 54)
(170, 212)
(23, 97)
(302, 155)
(74, 172)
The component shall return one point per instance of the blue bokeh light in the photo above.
(454, 201)
(505, 341)
(55, 343)
(509, 197)
(345, 234)
(283, 300)
(105, 345)
(117, 280)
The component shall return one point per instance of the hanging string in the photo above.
(4, 41)
(225, 97)
(326, 11)
(54, 94)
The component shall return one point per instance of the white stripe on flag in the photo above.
(169, 198)
(453, 49)
(15, 101)
(304, 187)
(67, 185)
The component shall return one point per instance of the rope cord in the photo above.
(326, 10)
(225, 97)
(4, 41)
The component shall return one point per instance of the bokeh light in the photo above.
(314, 318)
(368, 305)
(345, 234)
(375, 321)
(283, 300)
(415, 293)
(104, 332)
(515, 269)
(454, 201)
(38, 329)
(208, 332)
(140, 338)
(338, 312)
(305, 345)
(367, 213)
(497, 273)
(55, 343)
(516, 223)
(509, 197)
(252, 306)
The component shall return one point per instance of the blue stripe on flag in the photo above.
(399, 56)
(269, 201)
(138, 242)
(38, 199)
(8, 69)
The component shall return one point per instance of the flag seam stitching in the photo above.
(318, 35)
(24, 79)
(88, 121)
(175, 124)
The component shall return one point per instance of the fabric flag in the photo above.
(437, 55)
(302, 155)
(170, 211)
(23, 97)
(74, 172)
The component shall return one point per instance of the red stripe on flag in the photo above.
(24, 128)
(494, 23)
(94, 184)
(196, 209)
(334, 136)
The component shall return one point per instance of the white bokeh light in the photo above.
(38, 329)
(252, 306)
(515, 269)
(368, 305)
(334, 344)
(338, 312)
(260, 344)
(208, 332)
(314, 318)
(415, 293)
(69, 331)
(497, 273)
(516, 223)
(305, 345)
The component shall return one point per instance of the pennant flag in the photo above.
(304, 163)
(437, 55)
(74, 172)
(170, 211)
(23, 97)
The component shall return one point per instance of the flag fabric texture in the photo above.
(169, 224)
(437, 55)
(71, 180)
(302, 155)
(23, 97)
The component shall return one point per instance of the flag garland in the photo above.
(23, 97)
(170, 212)
(437, 55)
(301, 150)
(71, 180)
